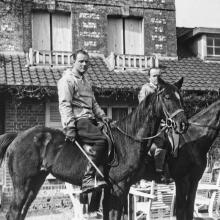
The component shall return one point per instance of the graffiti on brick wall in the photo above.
(89, 24)
(90, 43)
(89, 16)
(158, 1)
(158, 20)
(92, 34)
(89, 30)
(159, 36)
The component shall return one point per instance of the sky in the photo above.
(198, 13)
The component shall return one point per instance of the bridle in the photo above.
(168, 124)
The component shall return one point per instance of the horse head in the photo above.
(170, 103)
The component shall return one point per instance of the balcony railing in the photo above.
(116, 61)
(52, 58)
(125, 61)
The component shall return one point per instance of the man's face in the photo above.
(154, 74)
(81, 63)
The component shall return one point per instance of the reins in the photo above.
(202, 125)
(142, 139)
(169, 123)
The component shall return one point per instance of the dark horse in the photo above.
(188, 168)
(131, 145)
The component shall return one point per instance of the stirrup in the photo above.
(95, 184)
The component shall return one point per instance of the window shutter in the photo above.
(41, 31)
(134, 36)
(115, 35)
(61, 31)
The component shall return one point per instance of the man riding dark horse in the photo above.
(158, 146)
(79, 112)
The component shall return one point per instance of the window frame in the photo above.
(49, 123)
(51, 27)
(213, 46)
(123, 19)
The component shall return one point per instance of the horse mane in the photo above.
(210, 110)
(139, 114)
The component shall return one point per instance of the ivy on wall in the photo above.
(194, 102)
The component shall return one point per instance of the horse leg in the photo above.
(35, 185)
(191, 199)
(181, 199)
(20, 195)
(113, 205)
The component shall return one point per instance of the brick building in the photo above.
(123, 38)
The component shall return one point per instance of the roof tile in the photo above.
(198, 74)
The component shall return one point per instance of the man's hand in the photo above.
(106, 119)
(70, 133)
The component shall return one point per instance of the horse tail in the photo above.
(5, 141)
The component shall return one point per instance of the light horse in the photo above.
(132, 142)
(188, 167)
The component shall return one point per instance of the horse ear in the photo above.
(161, 82)
(179, 83)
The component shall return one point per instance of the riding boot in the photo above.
(159, 157)
(89, 182)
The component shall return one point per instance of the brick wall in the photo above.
(159, 25)
(158, 15)
(11, 27)
(21, 115)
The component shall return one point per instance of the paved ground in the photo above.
(61, 215)
(66, 215)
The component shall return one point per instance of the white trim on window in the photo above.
(211, 44)
(52, 116)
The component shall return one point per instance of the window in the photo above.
(53, 118)
(53, 115)
(119, 113)
(213, 46)
(125, 36)
(51, 32)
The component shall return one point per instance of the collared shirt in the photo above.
(76, 99)
(146, 90)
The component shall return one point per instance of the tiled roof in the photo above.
(198, 74)
(13, 72)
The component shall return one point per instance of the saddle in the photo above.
(106, 130)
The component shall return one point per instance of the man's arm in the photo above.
(65, 94)
(98, 112)
(145, 91)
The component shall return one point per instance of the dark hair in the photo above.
(81, 51)
(153, 68)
